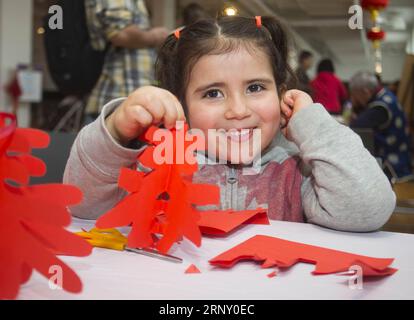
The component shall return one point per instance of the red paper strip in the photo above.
(32, 217)
(282, 253)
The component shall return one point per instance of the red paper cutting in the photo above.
(32, 218)
(218, 223)
(283, 254)
(192, 269)
(166, 202)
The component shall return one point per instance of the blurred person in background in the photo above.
(122, 27)
(377, 108)
(305, 62)
(393, 87)
(327, 89)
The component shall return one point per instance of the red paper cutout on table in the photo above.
(166, 205)
(192, 269)
(218, 223)
(32, 217)
(272, 274)
(283, 254)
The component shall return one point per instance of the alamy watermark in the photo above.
(56, 277)
(356, 21)
(56, 20)
(355, 281)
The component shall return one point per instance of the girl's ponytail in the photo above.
(280, 39)
(165, 65)
(278, 35)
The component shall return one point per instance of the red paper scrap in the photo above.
(272, 274)
(192, 269)
(283, 254)
(222, 222)
(32, 218)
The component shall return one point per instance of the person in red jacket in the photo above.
(328, 89)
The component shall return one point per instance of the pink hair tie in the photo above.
(258, 21)
(177, 33)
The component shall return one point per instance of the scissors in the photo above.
(114, 239)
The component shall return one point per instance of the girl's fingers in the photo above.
(283, 122)
(288, 99)
(142, 116)
(175, 111)
(161, 108)
(157, 111)
(180, 110)
(291, 95)
(170, 115)
(285, 108)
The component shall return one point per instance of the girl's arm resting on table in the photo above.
(347, 189)
(94, 164)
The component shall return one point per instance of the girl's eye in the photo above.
(212, 94)
(255, 88)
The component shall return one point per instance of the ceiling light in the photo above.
(231, 11)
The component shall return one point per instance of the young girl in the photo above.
(232, 75)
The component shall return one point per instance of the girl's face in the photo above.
(234, 93)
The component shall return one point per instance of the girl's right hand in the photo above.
(145, 107)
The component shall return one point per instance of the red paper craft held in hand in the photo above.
(282, 253)
(32, 218)
(163, 200)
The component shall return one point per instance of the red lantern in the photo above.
(374, 4)
(376, 35)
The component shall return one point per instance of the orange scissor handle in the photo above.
(104, 238)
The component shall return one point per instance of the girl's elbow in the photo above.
(378, 212)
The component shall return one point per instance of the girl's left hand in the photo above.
(292, 102)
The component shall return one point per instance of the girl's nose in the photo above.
(237, 109)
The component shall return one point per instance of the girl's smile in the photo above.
(240, 135)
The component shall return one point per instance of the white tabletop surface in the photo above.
(109, 274)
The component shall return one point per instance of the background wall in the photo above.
(15, 47)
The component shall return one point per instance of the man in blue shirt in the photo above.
(377, 108)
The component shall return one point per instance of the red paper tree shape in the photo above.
(32, 218)
(282, 253)
(163, 200)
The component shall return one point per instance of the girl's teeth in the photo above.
(239, 135)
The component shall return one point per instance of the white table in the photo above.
(108, 274)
